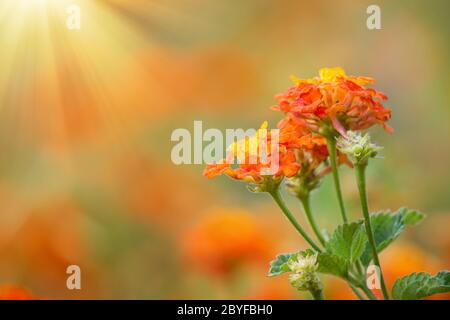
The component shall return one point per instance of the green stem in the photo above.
(333, 155)
(361, 181)
(306, 206)
(368, 292)
(277, 197)
(356, 292)
(358, 284)
(317, 294)
(360, 268)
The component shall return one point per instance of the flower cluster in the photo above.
(334, 101)
(321, 129)
(315, 109)
(252, 167)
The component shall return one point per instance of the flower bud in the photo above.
(304, 275)
(268, 184)
(358, 147)
(301, 185)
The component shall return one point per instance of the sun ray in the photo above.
(56, 82)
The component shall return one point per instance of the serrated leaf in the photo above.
(420, 285)
(332, 264)
(411, 216)
(280, 264)
(348, 242)
(387, 226)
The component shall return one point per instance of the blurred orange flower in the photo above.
(145, 88)
(225, 239)
(338, 289)
(404, 258)
(47, 242)
(134, 176)
(273, 289)
(10, 292)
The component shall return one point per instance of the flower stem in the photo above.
(277, 197)
(331, 142)
(356, 292)
(306, 206)
(317, 294)
(353, 283)
(368, 292)
(361, 181)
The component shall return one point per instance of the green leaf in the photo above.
(280, 264)
(348, 242)
(410, 216)
(332, 264)
(387, 226)
(420, 285)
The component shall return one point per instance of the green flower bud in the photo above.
(358, 147)
(304, 275)
(301, 185)
(268, 184)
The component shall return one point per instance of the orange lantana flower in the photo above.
(256, 170)
(311, 152)
(311, 148)
(335, 99)
(294, 135)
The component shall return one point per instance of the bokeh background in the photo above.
(86, 117)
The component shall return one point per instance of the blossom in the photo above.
(335, 100)
(252, 167)
(311, 151)
(294, 135)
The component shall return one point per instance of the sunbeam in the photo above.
(55, 82)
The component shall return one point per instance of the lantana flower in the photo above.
(311, 152)
(324, 117)
(335, 100)
(252, 166)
